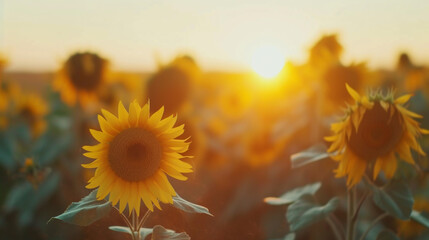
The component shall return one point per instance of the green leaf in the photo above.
(86, 211)
(6, 151)
(161, 233)
(189, 207)
(26, 199)
(387, 235)
(306, 211)
(420, 217)
(144, 232)
(49, 147)
(313, 154)
(293, 195)
(395, 198)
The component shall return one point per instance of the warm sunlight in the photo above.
(267, 61)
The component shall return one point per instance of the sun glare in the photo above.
(267, 61)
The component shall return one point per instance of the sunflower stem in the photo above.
(351, 193)
(373, 223)
(134, 219)
(335, 228)
(143, 220)
(130, 226)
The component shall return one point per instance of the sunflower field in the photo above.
(323, 148)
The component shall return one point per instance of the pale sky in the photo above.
(221, 35)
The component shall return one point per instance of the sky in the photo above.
(221, 35)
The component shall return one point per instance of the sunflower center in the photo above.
(85, 71)
(379, 132)
(135, 154)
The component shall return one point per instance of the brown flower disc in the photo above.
(135, 154)
(378, 134)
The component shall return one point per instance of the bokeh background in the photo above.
(253, 82)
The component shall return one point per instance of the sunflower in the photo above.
(375, 129)
(136, 152)
(410, 228)
(32, 110)
(81, 77)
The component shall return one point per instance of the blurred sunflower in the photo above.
(3, 64)
(32, 110)
(81, 77)
(411, 228)
(4, 102)
(172, 86)
(374, 129)
(136, 152)
(261, 149)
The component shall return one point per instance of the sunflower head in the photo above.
(326, 51)
(171, 86)
(375, 130)
(81, 77)
(135, 154)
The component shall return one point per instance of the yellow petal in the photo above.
(93, 164)
(144, 195)
(403, 99)
(144, 114)
(156, 117)
(134, 113)
(100, 136)
(390, 165)
(95, 148)
(123, 114)
(105, 126)
(355, 95)
(112, 120)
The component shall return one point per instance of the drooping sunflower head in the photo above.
(375, 130)
(135, 154)
(81, 77)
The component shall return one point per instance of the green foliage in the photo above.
(313, 154)
(86, 211)
(49, 146)
(158, 233)
(144, 232)
(161, 233)
(306, 211)
(26, 198)
(387, 235)
(395, 198)
(6, 151)
(420, 217)
(293, 195)
(189, 207)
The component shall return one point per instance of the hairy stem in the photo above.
(336, 229)
(143, 220)
(373, 223)
(351, 193)
(130, 226)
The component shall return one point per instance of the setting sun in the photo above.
(267, 61)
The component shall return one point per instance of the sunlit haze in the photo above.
(221, 35)
(268, 61)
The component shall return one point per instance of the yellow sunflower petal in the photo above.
(122, 113)
(355, 95)
(403, 99)
(134, 113)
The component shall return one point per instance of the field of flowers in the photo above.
(326, 149)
